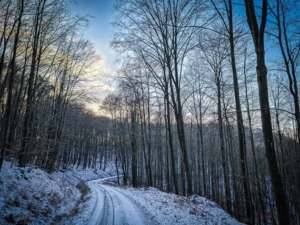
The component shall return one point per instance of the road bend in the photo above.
(114, 208)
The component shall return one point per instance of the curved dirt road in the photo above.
(112, 207)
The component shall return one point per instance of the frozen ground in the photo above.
(115, 207)
(31, 196)
(167, 209)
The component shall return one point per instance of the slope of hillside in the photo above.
(32, 196)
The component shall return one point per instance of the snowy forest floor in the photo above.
(32, 196)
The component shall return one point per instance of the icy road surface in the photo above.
(112, 207)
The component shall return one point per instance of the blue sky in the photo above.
(100, 29)
(99, 33)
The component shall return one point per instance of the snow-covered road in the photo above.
(113, 207)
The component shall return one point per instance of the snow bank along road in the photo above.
(112, 207)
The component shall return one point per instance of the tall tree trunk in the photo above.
(134, 149)
(240, 125)
(177, 105)
(30, 90)
(262, 203)
(170, 139)
(8, 109)
(222, 143)
(257, 32)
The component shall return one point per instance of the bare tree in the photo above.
(257, 32)
(8, 110)
(162, 33)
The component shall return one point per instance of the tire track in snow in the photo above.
(108, 210)
(99, 204)
(113, 207)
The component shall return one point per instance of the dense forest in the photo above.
(207, 100)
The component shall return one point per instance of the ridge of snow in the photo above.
(168, 208)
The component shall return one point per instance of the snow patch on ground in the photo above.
(32, 196)
(166, 208)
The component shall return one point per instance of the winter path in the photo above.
(113, 207)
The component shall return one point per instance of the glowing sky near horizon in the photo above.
(99, 33)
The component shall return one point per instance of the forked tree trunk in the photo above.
(261, 70)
